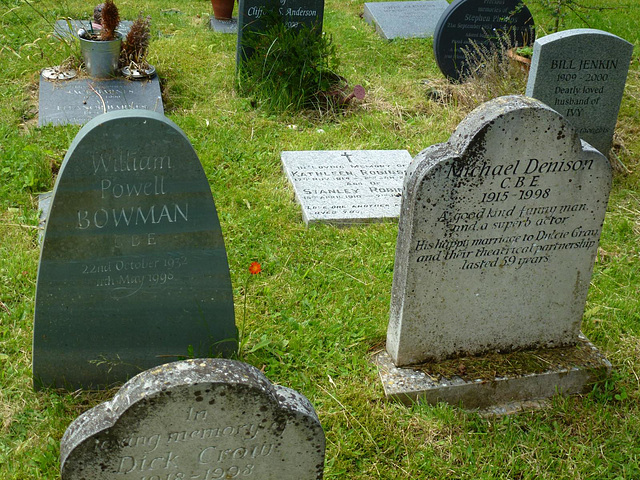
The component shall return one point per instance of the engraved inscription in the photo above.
(512, 225)
(213, 456)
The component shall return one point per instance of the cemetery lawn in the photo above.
(319, 308)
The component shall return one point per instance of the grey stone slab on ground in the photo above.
(405, 19)
(78, 101)
(497, 237)
(346, 187)
(479, 22)
(69, 28)
(581, 74)
(199, 419)
(223, 26)
(294, 13)
(133, 271)
(499, 395)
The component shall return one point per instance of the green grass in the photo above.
(321, 304)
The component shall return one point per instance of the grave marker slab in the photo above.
(197, 419)
(481, 22)
(405, 19)
(347, 187)
(496, 243)
(78, 101)
(497, 237)
(581, 74)
(295, 14)
(133, 271)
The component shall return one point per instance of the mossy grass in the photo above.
(321, 302)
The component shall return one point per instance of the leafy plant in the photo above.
(290, 69)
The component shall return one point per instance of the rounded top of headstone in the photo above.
(581, 32)
(197, 418)
(480, 22)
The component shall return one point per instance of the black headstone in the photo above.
(133, 270)
(295, 14)
(482, 22)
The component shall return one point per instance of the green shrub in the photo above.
(290, 69)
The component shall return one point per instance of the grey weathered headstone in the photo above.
(133, 271)
(405, 19)
(346, 187)
(581, 74)
(498, 234)
(497, 238)
(294, 13)
(78, 101)
(480, 22)
(201, 419)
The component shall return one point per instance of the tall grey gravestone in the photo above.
(294, 13)
(201, 419)
(479, 22)
(405, 19)
(133, 271)
(497, 237)
(581, 74)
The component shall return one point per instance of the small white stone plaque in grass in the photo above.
(347, 186)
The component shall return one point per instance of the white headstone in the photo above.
(498, 234)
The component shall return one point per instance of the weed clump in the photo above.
(291, 69)
(492, 73)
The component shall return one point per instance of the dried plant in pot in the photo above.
(133, 58)
(101, 48)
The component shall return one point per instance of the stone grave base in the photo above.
(223, 26)
(505, 394)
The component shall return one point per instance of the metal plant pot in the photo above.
(101, 57)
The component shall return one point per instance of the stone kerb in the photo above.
(133, 270)
(201, 419)
(498, 233)
(581, 74)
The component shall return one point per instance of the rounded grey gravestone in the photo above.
(133, 270)
(467, 24)
(497, 237)
(202, 419)
(581, 74)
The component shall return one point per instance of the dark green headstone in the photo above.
(294, 13)
(133, 271)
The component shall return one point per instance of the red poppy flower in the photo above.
(254, 268)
